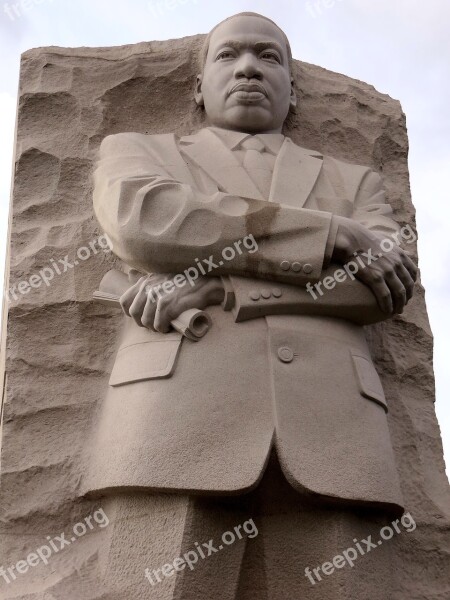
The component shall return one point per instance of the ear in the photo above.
(293, 97)
(198, 91)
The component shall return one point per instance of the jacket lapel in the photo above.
(211, 155)
(295, 174)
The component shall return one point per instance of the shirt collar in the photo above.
(233, 139)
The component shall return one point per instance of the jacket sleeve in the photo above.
(347, 298)
(371, 208)
(157, 223)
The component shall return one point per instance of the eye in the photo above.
(271, 56)
(225, 55)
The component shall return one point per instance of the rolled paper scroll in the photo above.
(193, 323)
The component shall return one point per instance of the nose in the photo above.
(248, 67)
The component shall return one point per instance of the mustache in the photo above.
(253, 86)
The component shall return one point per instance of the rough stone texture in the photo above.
(60, 344)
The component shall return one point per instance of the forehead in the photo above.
(247, 30)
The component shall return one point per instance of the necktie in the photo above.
(256, 165)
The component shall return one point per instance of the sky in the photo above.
(402, 47)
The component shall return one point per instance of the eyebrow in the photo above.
(258, 46)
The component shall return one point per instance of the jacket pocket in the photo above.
(154, 359)
(368, 379)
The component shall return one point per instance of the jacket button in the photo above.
(307, 268)
(296, 267)
(285, 265)
(277, 293)
(286, 355)
(266, 294)
(254, 295)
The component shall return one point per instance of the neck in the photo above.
(244, 130)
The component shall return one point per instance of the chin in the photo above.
(251, 119)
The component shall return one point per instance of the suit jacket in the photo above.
(280, 369)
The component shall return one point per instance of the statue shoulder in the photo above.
(352, 174)
(129, 142)
(347, 178)
(349, 167)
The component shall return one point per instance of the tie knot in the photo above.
(253, 143)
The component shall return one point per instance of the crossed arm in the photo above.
(158, 224)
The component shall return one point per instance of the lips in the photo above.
(253, 89)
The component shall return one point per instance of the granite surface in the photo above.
(61, 345)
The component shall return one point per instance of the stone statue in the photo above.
(277, 415)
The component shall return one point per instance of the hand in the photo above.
(390, 275)
(154, 308)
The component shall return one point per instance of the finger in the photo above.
(138, 305)
(164, 314)
(126, 300)
(148, 314)
(406, 279)
(410, 266)
(398, 292)
(380, 290)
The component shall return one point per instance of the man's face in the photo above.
(246, 83)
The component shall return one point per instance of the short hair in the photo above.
(206, 44)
